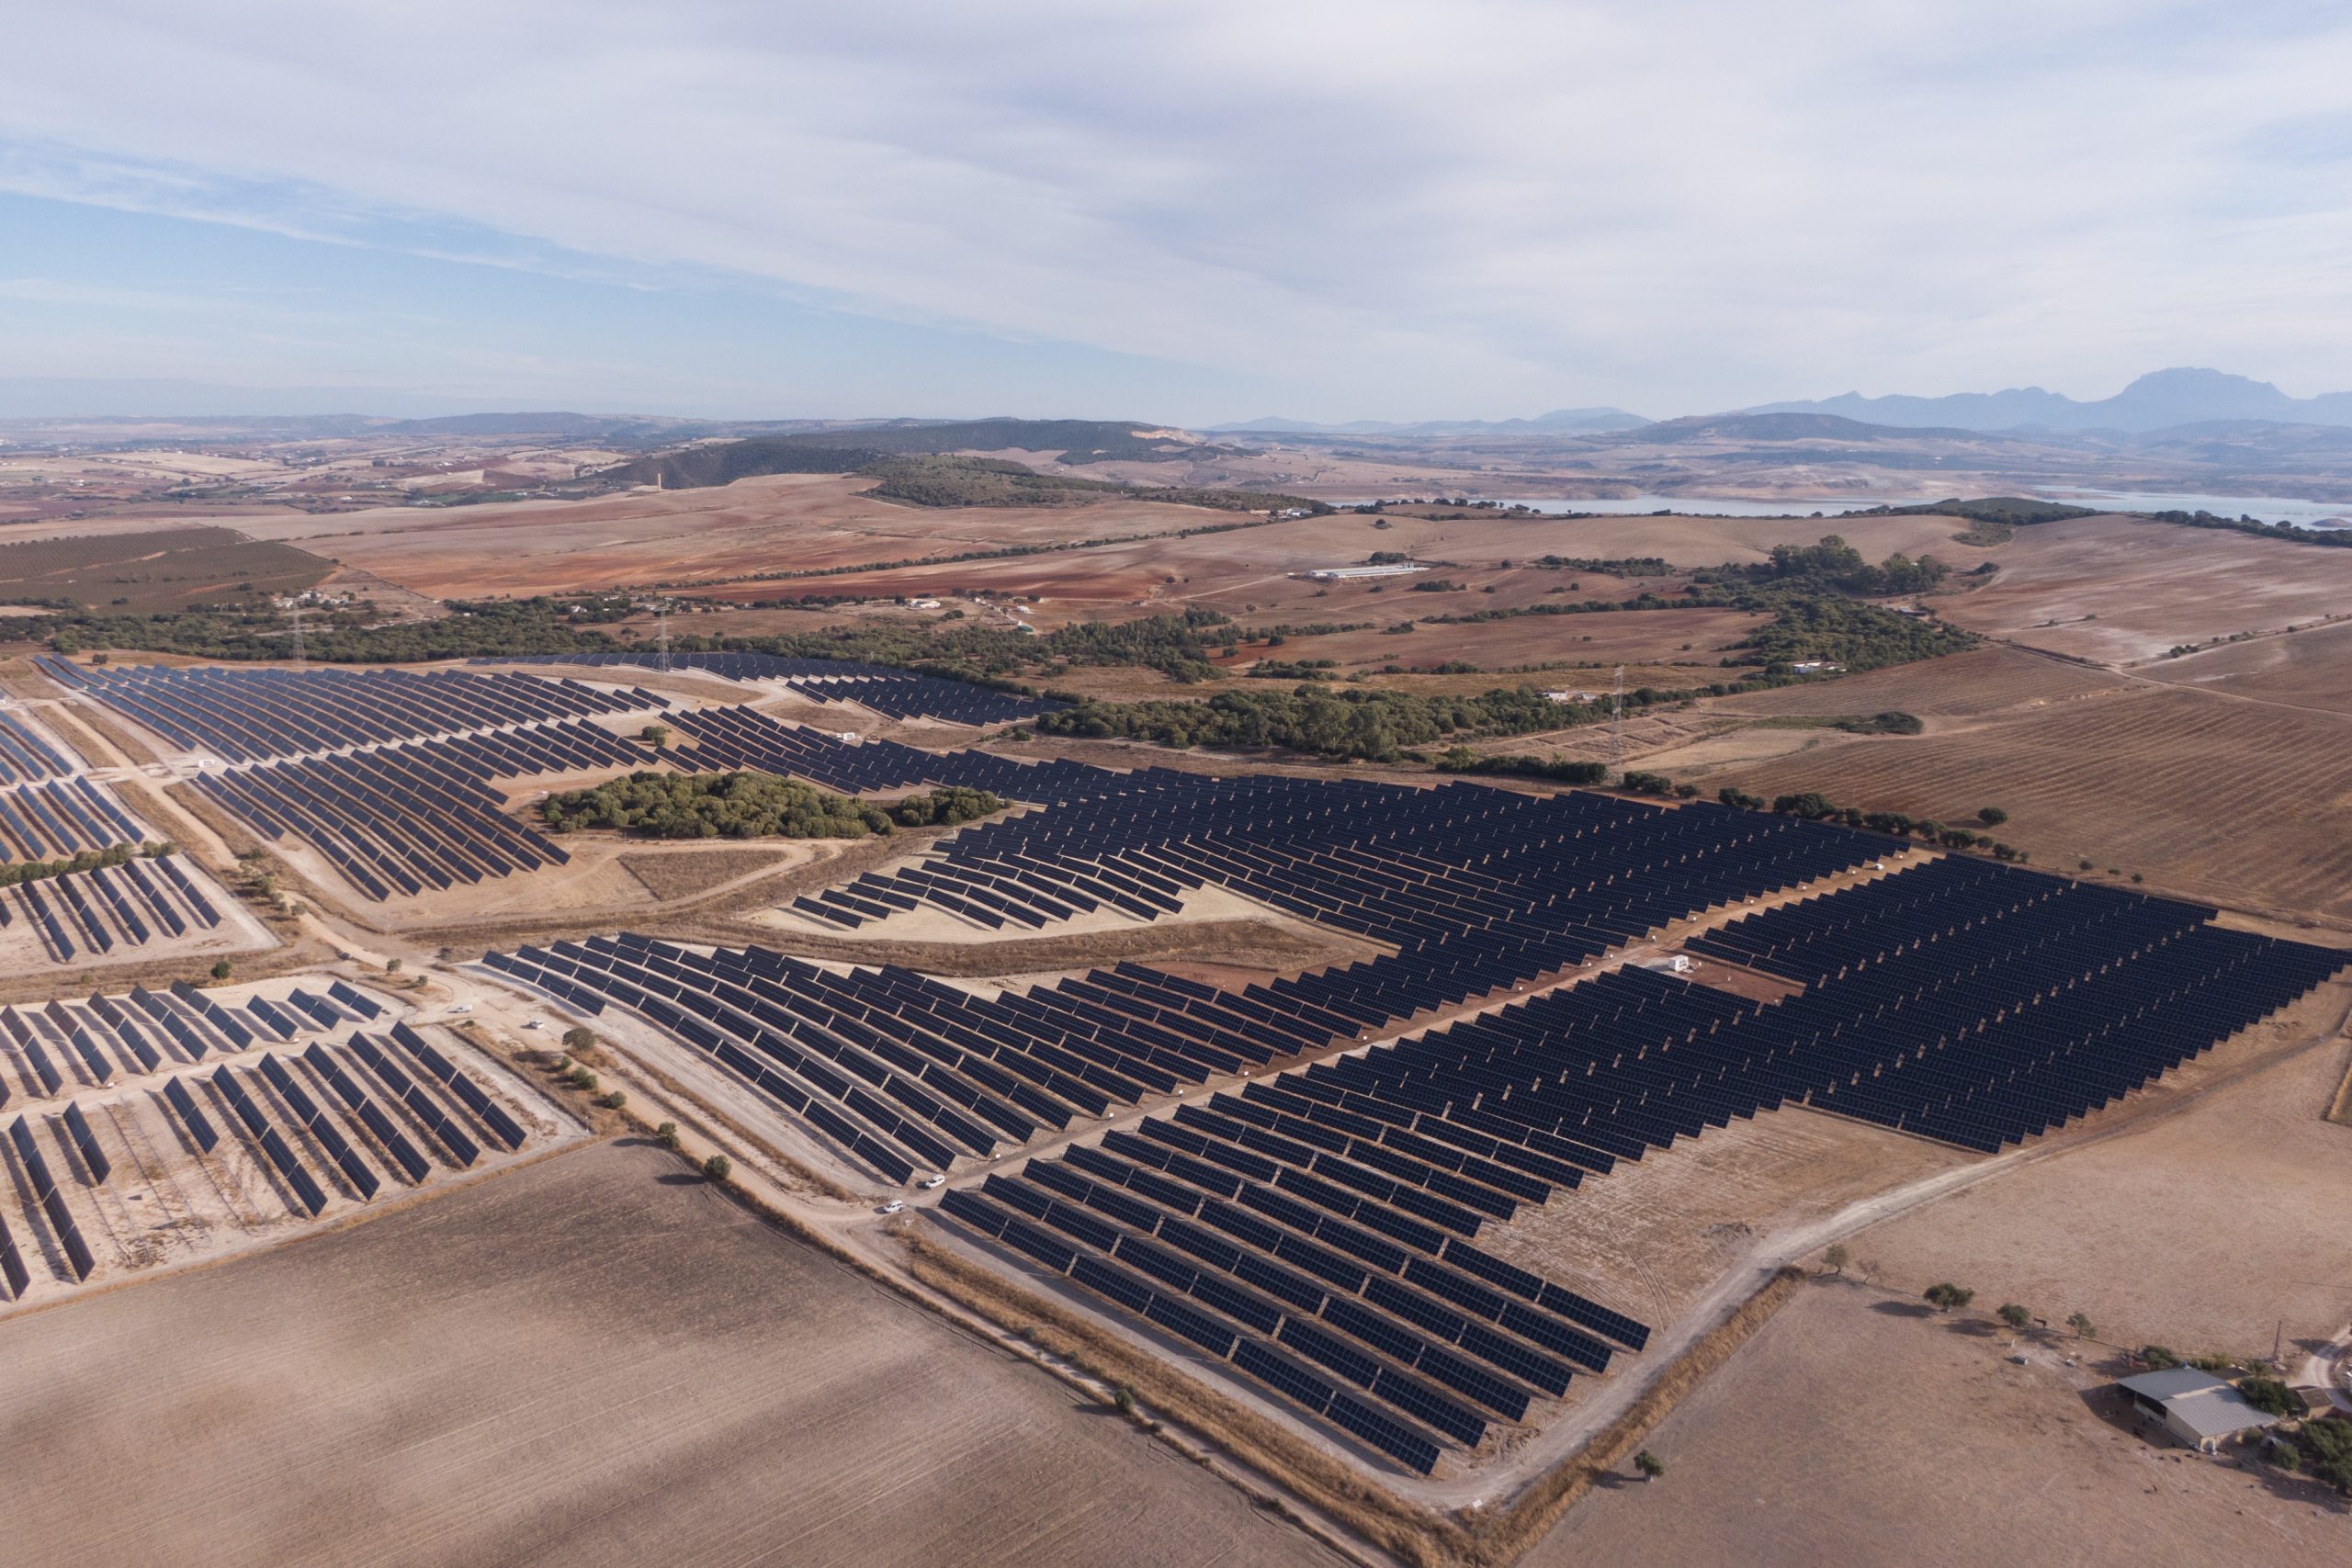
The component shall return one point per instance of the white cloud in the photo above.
(1477, 206)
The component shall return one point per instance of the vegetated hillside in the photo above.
(933, 480)
(848, 451)
(2011, 509)
(1078, 440)
(725, 462)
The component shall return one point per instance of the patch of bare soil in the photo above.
(1851, 1429)
(687, 873)
(593, 1360)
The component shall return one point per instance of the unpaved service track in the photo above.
(596, 1360)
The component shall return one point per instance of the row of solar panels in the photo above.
(60, 818)
(398, 819)
(24, 755)
(896, 693)
(1262, 1234)
(356, 1111)
(124, 905)
(906, 1073)
(249, 713)
(64, 1046)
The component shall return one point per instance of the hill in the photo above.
(2154, 401)
(1774, 427)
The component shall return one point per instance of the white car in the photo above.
(461, 1007)
(535, 1023)
(931, 1182)
(892, 1207)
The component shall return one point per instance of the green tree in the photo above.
(222, 969)
(2270, 1396)
(1991, 816)
(2158, 1357)
(666, 1135)
(2080, 1323)
(717, 1168)
(1649, 1464)
(1945, 1296)
(655, 735)
(2015, 1316)
(1834, 1259)
(579, 1037)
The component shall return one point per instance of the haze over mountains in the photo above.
(2154, 401)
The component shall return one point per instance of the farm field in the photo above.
(2120, 592)
(593, 1361)
(1853, 1428)
(2309, 668)
(154, 570)
(796, 522)
(1960, 685)
(2225, 801)
(1248, 573)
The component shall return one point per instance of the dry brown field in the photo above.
(1703, 638)
(154, 570)
(792, 521)
(2309, 668)
(1852, 1430)
(1652, 1236)
(2118, 592)
(1961, 685)
(595, 1360)
(2230, 802)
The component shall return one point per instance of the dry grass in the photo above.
(687, 873)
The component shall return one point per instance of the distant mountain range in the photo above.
(2155, 402)
(1559, 422)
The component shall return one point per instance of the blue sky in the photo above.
(1383, 209)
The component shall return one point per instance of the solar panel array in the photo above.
(247, 713)
(61, 1048)
(25, 756)
(397, 819)
(328, 1118)
(896, 694)
(59, 819)
(1980, 1005)
(109, 908)
(906, 1073)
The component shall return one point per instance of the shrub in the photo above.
(666, 1135)
(2080, 1323)
(717, 1168)
(582, 1078)
(614, 1101)
(2157, 1358)
(2270, 1396)
(1946, 1296)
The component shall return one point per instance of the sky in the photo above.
(1381, 208)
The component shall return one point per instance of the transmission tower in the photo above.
(1617, 725)
(661, 622)
(298, 634)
